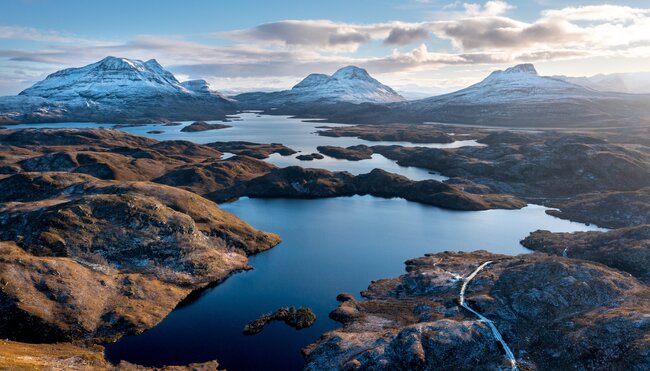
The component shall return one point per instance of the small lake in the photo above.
(329, 246)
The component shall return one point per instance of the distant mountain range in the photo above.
(349, 84)
(118, 89)
(115, 89)
(517, 96)
(633, 83)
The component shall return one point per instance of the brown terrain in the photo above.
(586, 175)
(92, 249)
(551, 311)
(103, 233)
(586, 304)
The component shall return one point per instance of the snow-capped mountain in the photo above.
(348, 85)
(518, 84)
(632, 83)
(519, 96)
(115, 89)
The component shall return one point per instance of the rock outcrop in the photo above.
(626, 249)
(551, 312)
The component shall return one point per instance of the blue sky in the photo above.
(424, 45)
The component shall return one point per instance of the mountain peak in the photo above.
(117, 63)
(352, 72)
(527, 68)
(116, 78)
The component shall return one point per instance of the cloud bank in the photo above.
(477, 34)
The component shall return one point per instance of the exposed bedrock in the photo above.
(551, 311)
(626, 249)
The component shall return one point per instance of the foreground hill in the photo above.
(114, 89)
(549, 311)
(347, 85)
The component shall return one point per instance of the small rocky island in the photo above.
(203, 126)
(413, 133)
(297, 318)
(353, 153)
(255, 150)
(310, 157)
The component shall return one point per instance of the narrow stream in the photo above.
(482, 318)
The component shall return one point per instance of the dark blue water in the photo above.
(329, 246)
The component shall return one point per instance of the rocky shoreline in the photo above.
(593, 317)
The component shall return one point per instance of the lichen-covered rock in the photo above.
(551, 312)
(626, 249)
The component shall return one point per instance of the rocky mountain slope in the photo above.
(349, 85)
(114, 89)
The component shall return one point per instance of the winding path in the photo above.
(482, 318)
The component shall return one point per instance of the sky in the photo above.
(425, 46)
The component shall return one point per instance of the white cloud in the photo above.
(489, 9)
(478, 35)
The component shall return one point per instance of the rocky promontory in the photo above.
(298, 182)
(550, 312)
